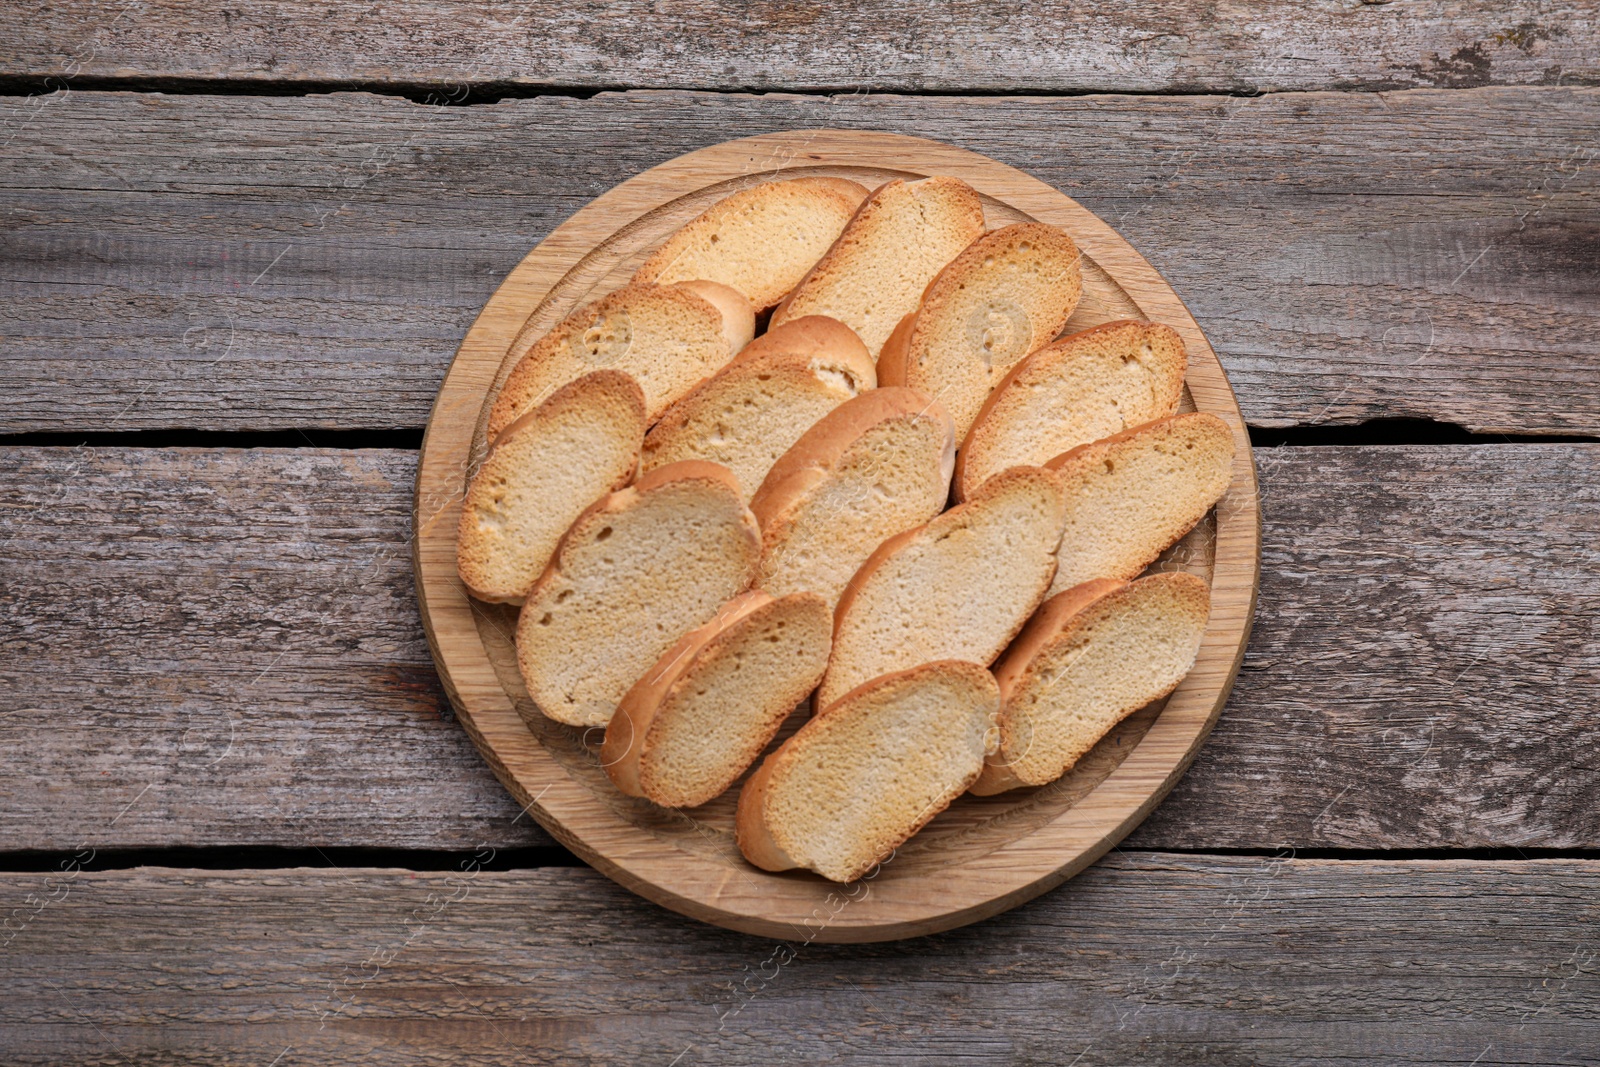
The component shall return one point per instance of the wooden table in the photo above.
(241, 244)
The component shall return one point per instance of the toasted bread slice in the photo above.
(1080, 389)
(814, 336)
(1091, 657)
(636, 572)
(1133, 495)
(543, 471)
(876, 271)
(668, 337)
(1007, 295)
(686, 731)
(859, 779)
(958, 588)
(870, 468)
(761, 240)
(755, 408)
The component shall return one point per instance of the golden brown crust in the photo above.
(1026, 269)
(1091, 332)
(853, 191)
(822, 446)
(1141, 542)
(965, 223)
(868, 568)
(529, 379)
(605, 386)
(754, 832)
(812, 336)
(1046, 623)
(900, 540)
(1040, 633)
(780, 311)
(939, 525)
(578, 387)
(599, 513)
(983, 430)
(1024, 365)
(815, 359)
(750, 830)
(661, 701)
(626, 734)
(1058, 621)
(896, 350)
(685, 470)
(840, 194)
(796, 343)
(622, 499)
(738, 315)
(955, 274)
(1086, 454)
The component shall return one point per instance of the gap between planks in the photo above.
(1144, 958)
(1373, 432)
(222, 648)
(490, 858)
(1423, 254)
(877, 45)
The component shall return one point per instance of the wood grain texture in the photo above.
(230, 641)
(981, 855)
(964, 45)
(1435, 637)
(1351, 256)
(1148, 959)
(1425, 654)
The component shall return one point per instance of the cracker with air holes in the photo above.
(754, 409)
(667, 337)
(1009, 293)
(760, 241)
(872, 467)
(1091, 657)
(637, 571)
(876, 271)
(543, 471)
(1072, 392)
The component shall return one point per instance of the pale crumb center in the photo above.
(998, 333)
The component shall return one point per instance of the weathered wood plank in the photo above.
(222, 648)
(1426, 650)
(1147, 959)
(1428, 253)
(965, 45)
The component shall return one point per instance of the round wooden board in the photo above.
(983, 855)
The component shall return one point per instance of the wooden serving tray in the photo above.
(983, 855)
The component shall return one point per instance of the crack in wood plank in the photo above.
(1322, 240)
(1421, 609)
